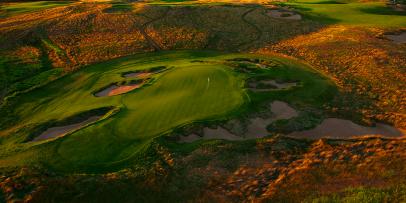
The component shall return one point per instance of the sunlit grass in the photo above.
(364, 14)
(10, 9)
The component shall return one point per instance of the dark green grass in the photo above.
(119, 7)
(187, 92)
(10, 9)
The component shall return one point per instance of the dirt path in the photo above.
(142, 28)
(55, 132)
(344, 129)
(257, 30)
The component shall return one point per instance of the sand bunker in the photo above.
(282, 110)
(209, 133)
(144, 73)
(398, 39)
(344, 129)
(137, 75)
(55, 132)
(257, 127)
(116, 90)
(282, 14)
(267, 85)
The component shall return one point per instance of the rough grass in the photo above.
(365, 194)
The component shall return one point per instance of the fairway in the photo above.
(11, 9)
(351, 13)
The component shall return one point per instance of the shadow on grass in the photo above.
(119, 7)
(380, 10)
(324, 2)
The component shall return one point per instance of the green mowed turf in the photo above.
(351, 13)
(9, 9)
(187, 92)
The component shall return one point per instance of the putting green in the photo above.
(187, 91)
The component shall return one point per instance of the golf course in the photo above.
(195, 86)
(202, 101)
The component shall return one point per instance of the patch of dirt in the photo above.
(334, 128)
(60, 131)
(283, 14)
(398, 39)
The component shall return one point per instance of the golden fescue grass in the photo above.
(362, 63)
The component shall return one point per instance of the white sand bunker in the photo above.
(116, 90)
(284, 14)
(267, 85)
(60, 131)
(344, 129)
(398, 39)
(255, 129)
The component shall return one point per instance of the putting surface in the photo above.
(187, 91)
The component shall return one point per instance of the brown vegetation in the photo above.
(277, 169)
(367, 69)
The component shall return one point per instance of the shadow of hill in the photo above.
(380, 10)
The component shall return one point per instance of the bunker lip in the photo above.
(261, 63)
(144, 73)
(257, 127)
(333, 128)
(268, 85)
(56, 129)
(137, 75)
(60, 131)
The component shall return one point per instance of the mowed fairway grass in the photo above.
(10, 9)
(351, 13)
(188, 91)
